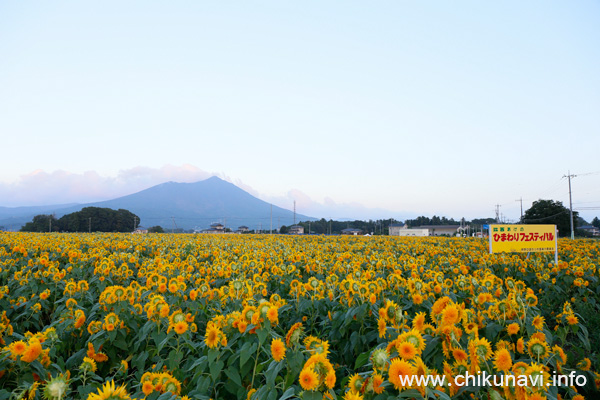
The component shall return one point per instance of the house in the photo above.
(215, 228)
(404, 230)
(592, 230)
(243, 229)
(441, 230)
(140, 230)
(296, 230)
(352, 231)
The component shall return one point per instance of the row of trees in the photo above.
(96, 219)
(541, 212)
(324, 227)
(89, 219)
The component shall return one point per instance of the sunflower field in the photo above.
(163, 316)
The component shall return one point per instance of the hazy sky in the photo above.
(372, 109)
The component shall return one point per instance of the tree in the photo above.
(41, 223)
(596, 222)
(93, 219)
(156, 229)
(551, 212)
(99, 219)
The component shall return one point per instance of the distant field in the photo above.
(119, 316)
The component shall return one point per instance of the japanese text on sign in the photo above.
(522, 238)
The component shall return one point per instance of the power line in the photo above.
(544, 218)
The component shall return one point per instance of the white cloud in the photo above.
(59, 187)
(329, 209)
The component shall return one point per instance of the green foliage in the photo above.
(93, 219)
(551, 212)
(324, 227)
(435, 220)
(41, 223)
(156, 229)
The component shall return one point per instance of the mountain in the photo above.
(189, 206)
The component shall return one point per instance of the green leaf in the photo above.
(246, 352)
(362, 359)
(84, 391)
(312, 395)
(295, 361)
(430, 348)
(212, 355)
(158, 337)
(272, 395)
(75, 359)
(492, 330)
(203, 384)
(440, 394)
(288, 393)
(198, 362)
(167, 396)
(139, 362)
(410, 393)
(272, 372)
(165, 341)
(234, 375)
(121, 343)
(262, 335)
(175, 358)
(584, 341)
(215, 369)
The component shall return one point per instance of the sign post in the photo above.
(523, 238)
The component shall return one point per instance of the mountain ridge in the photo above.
(171, 204)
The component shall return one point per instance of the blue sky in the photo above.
(385, 109)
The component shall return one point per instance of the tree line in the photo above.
(89, 219)
(96, 219)
(541, 212)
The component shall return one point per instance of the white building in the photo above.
(404, 230)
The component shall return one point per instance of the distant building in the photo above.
(440, 230)
(426, 230)
(352, 231)
(242, 229)
(590, 229)
(404, 230)
(296, 230)
(140, 230)
(215, 228)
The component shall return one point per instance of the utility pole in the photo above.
(497, 213)
(294, 212)
(271, 228)
(571, 204)
(90, 224)
(50, 224)
(174, 225)
(521, 200)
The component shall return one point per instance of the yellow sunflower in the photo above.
(108, 391)
(309, 380)
(277, 349)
